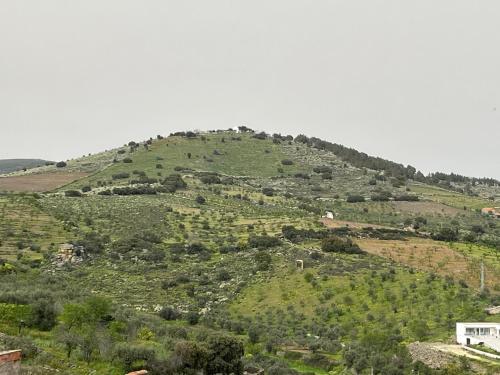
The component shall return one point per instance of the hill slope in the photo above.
(189, 244)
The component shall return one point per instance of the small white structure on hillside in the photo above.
(487, 334)
(328, 215)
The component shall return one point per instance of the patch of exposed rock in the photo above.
(429, 355)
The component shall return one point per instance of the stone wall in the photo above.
(10, 362)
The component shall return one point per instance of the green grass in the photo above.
(348, 302)
(247, 157)
(23, 224)
(302, 368)
(478, 253)
(450, 198)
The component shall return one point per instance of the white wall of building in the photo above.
(472, 333)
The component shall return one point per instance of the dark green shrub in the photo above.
(340, 245)
(225, 355)
(72, 193)
(261, 135)
(301, 138)
(43, 315)
(189, 357)
(327, 176)
(35, 247)
(263, 261)
(304, 176)
(323, 169)
(136, 190)
(130, 355)
(120, 176)
(254, 333)
(169, 313)
(477, 229)
(227, 249)
(174, 182)
(355, 198)
(93, 242)
(196, 248)
(446, 234)
(192, 318)
(263, 242)
(210, 178)
(407, 198)
(223, 275)
(382, 196)
(298, 235)
(268, 191)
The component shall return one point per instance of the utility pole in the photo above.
(482, 276)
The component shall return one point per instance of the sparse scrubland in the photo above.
(184, 255)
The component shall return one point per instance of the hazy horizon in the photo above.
(413, 82)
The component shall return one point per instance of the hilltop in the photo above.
(187, 245)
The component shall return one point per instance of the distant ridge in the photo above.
(13, 165)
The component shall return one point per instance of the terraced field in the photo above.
(439, 258)
(39, 182)
(26, 230)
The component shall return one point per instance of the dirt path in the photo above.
(458, 350)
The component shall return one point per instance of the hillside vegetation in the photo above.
(184, 254)
(13, 165)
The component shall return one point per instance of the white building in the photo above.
(487, 334)
(328, 215)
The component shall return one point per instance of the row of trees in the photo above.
(363, 160)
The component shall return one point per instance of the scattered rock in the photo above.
(430, 356)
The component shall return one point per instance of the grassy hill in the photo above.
(13, 165)
(186, 248)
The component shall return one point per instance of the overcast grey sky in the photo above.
(413, 81)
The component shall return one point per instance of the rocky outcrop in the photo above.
(430, 356)
(69, 253)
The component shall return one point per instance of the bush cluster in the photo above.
(340, 245)
(354, 198)
(173, 182)
(120, 176)
(263, 242)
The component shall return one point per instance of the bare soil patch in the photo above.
(39, 182)
(431, 256)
